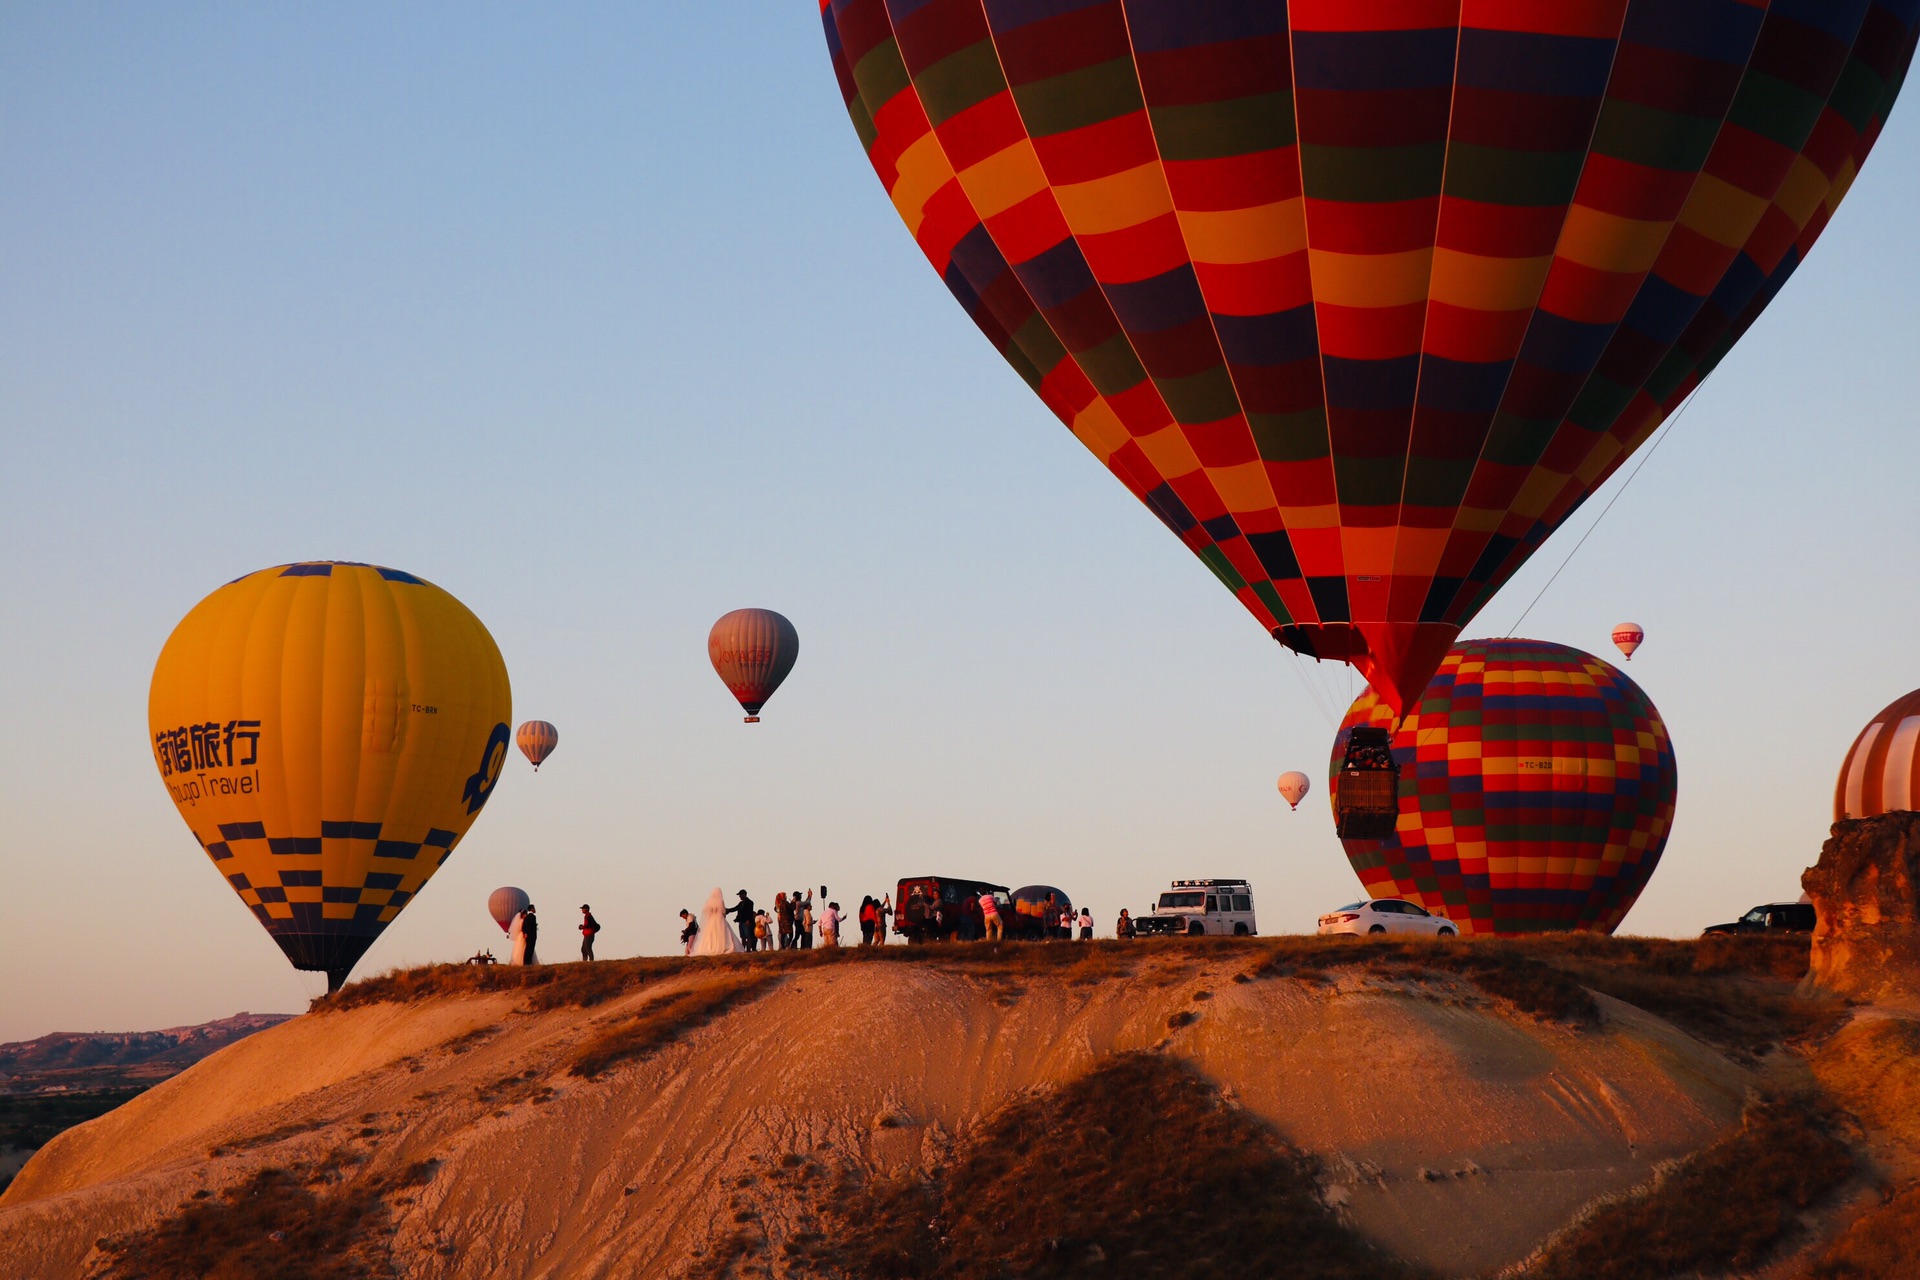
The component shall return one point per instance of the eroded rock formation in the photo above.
(1866, 891)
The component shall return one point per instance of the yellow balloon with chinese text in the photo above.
(329, 731)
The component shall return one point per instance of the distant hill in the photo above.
(100, 1059)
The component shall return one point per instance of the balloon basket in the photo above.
(1367, 804)
(750, 720)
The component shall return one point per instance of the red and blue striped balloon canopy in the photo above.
(1364, 297)
(1537, 788)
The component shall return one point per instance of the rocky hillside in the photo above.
(1449, 1108)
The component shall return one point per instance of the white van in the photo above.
(1193, 908)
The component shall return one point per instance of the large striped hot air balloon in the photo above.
(752, 650)
(1881, 773)
(1364, 299)
(329, 731)
(1537, 789)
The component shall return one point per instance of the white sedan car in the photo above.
(1387, 915)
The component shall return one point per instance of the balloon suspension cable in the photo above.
(1665, 431)
(1313, 692)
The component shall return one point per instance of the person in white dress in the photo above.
(716, 936)
(518, 938)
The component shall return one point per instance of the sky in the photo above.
(597, 317)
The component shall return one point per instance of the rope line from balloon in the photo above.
(1665, 431)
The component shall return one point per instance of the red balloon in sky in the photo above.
(753, 650)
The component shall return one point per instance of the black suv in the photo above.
(1770, 917)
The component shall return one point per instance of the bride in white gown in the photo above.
(716, 937)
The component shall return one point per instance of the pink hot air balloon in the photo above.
(537, 739)
(753, 650)
(504, 903)
(1294, 786)
(1627, 637)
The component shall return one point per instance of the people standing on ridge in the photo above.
(803, 921)
(990, 915)
(588, 928)
(762, 931)
(743, 919)
(783, 919)
(517, 939)
(866, 920)
(530, 926)
(1086, 924)
(689, 930)
(830, 925)
(1123, 928)
(881, 915)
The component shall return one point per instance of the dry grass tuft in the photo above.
(274, 1226)
(665, 1019)
(1722, 1209)
(1878, 1246)
(1500, 970)
(1137, 1168)
(1735, 992)
(582, 985)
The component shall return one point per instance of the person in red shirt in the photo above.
(588, 928)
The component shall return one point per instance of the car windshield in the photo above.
(1756, 916)
(1181, 899)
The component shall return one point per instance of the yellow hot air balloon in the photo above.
(329, 731)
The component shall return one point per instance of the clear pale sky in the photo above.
(598, 318)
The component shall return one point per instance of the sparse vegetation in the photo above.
(31, 1120)
(274, 1226)
(665, 1018)
(1737, 993)
(1138, 1168)
(1722, 1209)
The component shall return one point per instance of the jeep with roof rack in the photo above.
(1194, 908)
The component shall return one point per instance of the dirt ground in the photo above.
(1451, 1128)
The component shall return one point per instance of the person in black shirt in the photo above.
(530, 928)
(743, 914)
(588, 927)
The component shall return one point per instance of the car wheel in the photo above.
(1448, 933)
(1240, 931)
(1196, 930)
(1379, 928)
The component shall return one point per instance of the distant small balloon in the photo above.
(537, 739)
(1627, 637)
(1294, 785)
(504, 903)
(752, 650)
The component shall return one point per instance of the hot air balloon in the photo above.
(504, 903)
(1294, 785)
(1881, 773)
(1537, 789)
(753, 650)
(536, 740)
(1363, 301)
(329, 731)
(1627, 637)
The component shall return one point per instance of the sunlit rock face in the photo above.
(1866, 892)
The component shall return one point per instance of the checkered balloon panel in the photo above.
(1363, 298)
(1537, 788)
